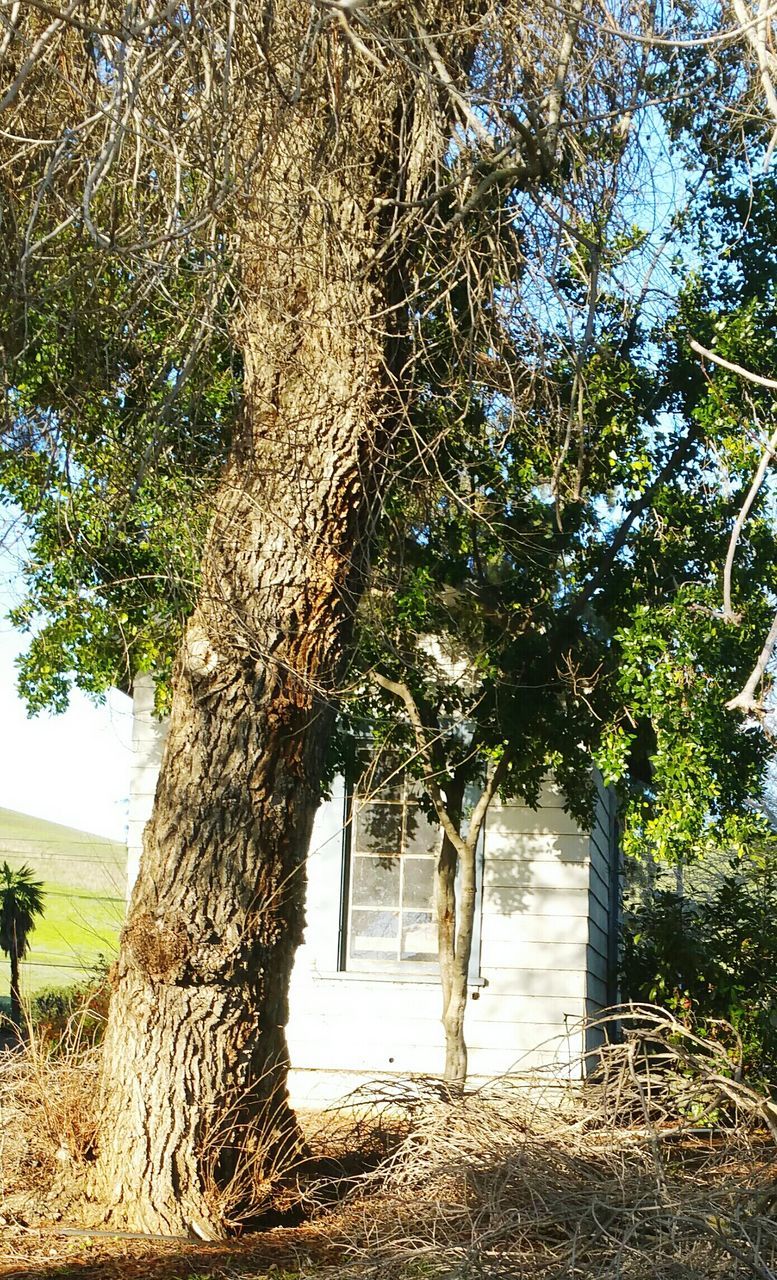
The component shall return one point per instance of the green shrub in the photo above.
(708, 952)
(79, 1009)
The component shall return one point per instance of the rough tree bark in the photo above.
(194, 1081)
(16, 995)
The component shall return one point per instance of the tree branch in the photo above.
(732, 368)
(746, 700)
(757, 35)
(758, 479)
(556, 95)
(494, 780)
(400, 690)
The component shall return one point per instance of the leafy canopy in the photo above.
(547, 572)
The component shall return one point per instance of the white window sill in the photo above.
(389, 975)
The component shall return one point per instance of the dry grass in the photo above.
(48, 1124)
(662, 1166)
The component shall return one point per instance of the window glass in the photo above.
(421, 835)
(381, 777)
(394, 848)
(374, 934)
(419, 937)
(375, 881)
(419, 882)
(378, 827)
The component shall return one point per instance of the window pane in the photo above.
(421, 835)
(419, 936)
(414, 787)
(378, 828)
(380, 777)
(419, 883)
(374, 935)
(376, 882)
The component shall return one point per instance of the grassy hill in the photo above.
(85, 879)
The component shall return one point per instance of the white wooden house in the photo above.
(365, 995)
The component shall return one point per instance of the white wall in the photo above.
(148, 740)
(544, 915)
(546, 918)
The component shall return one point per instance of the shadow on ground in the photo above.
(51, 1255)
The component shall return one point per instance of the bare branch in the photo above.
(757, 33)
(746, 700)
(756, 378)
(752, 494)
(559, 80)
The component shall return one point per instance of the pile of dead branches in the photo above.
(662, 1165)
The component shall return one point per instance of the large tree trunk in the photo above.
(194, 1085)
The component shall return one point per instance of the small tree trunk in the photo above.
(16, 995)
(456, 928)
(455, 997)
(454, 934)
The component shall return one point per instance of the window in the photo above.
(390, 915)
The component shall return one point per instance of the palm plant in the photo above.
(21, 900)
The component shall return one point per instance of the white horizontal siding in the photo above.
(381, 1047)
(597, 938)
(507, 822)
(492, 1019)
(502, 876)
(557, 1053)
(600, 888)
(558, 1056)
(600, 863)
(603, 903)
(600, 842)
(397, 1009)
(320, 949)
(504, 936)
(148, 739)
(542, 980)
(545, 955)
(543, 945)
(597, 989)
(515, 848)
(598, 914)
(517, 904)
(597, 965)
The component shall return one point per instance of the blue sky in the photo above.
(72, 768)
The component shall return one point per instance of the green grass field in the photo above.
(75, 931)
(84, 878)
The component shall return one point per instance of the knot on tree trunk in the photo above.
(159, 948)
(199, 656)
